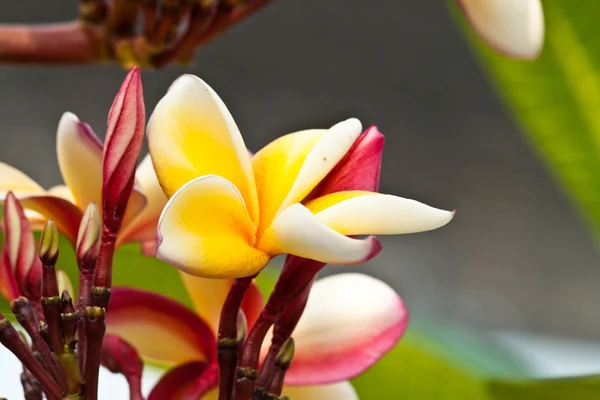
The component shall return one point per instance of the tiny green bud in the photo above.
(286, 354)
(49, 244)
(64, 283)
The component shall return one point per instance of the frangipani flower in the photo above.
(350, 321)
(228, 214)
(512, 27)
(80, 160)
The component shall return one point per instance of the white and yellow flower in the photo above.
(228, 214)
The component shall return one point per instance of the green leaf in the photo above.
(556, 98)
(439, 362)
(580, 388)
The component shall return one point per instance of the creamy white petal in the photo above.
(513, 27)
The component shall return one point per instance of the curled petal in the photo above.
(120, 357)
(334, 391)
(297, 231)
(64, 213)
(17, 182)
(177, 381)
(360, 168)
(124, 136)
(191, 133)
(208, 296)
(80, 160)
(19, 242)
(205, 230)
(8, 284)
(64, 282)
(63, 192)
(367, 213)
(142, 227)
(512, 27)
(289, 168)
(350, 321)
(161, 329)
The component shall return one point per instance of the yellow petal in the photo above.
(367, 213)
(208, 296)
(11, 179)
(63, 192)
(143, 226)
(205, 230)
(512, 27)
(287, 169)
(334, 391)
(297, 231)
(191, 133)
(80, 160)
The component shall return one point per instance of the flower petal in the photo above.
(161, 329)
(9, 289)
(18, 239)
(63, 192)
(297, 231)
(367, 213)
(208, 296)
(80, 160)
(371, 316)
(191, 133)
(65, 214)
(335, 391)
(512, 27)
(17, 182)
(289, 168)
(205, 230)
(360, 168)
(143, 225)
(177, 381)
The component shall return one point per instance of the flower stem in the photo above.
(103, 270)
(95, 327)
(9, 337)
(24, 313)
(228, 346)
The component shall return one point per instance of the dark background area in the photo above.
(517, 256)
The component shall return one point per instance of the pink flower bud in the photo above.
(123, 142)
(19, 247)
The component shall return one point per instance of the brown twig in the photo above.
(62, 43)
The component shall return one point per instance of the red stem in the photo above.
(61, 43)
(228, 347)
(103, 270)
(10, 338)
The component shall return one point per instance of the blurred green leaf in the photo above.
(579, 388)
(556, 98)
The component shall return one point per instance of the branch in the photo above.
(61, 43)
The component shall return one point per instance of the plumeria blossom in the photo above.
(512, 27)
(80, 158)
(228, 214)
(350, 321)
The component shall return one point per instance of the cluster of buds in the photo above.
(67, 330)
(147, 33)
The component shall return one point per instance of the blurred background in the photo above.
(516, 257)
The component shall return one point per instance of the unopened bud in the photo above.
(88, 238)
(49, 244)
(285, 355)
(124, 135)
(64, 283)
